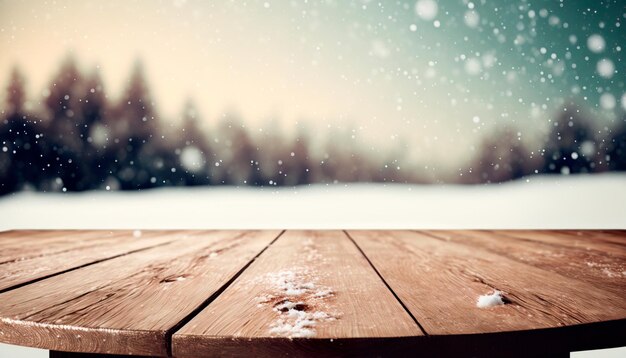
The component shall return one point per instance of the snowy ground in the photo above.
(584, 202)
(581, 202)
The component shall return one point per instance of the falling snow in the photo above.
(192, 159)
(471, 19)
(605, 68)
(607, 101)
(418, 91)
(426, 9)
(596, 43)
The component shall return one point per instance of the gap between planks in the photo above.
(464, 266)
(213, 296)
(170, 332)
(386, 284)
(22, 284)
(358, 305)
(249, 259)
(182, 322)
(24, 269)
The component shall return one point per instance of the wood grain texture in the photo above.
(440, 283)
(601, 242)
(129, 304)
(312, 293)
(330, 277)
(41, 254)
(19, 245)
(603, 270)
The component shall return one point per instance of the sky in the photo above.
(429, 77)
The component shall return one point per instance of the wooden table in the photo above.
(274, 293)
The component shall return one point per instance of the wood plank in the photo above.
(22, 246)
(315, 281)
(75, 250)
(605, 271)
(16, 234)
(16, 244)
(613, 236)
(586, 239)
(440, 283)
(129, 304)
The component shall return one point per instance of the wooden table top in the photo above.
(203, 293)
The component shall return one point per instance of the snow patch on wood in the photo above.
(490, 300)
(298, 300)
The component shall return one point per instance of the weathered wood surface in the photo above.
(206, 293)
(604, 242)
(21, 245)
(127, 305)
(39, 254)
(439, 281)
(326, 280)
(574, 258)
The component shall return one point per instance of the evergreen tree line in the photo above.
(574, 145)
(76, 140)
